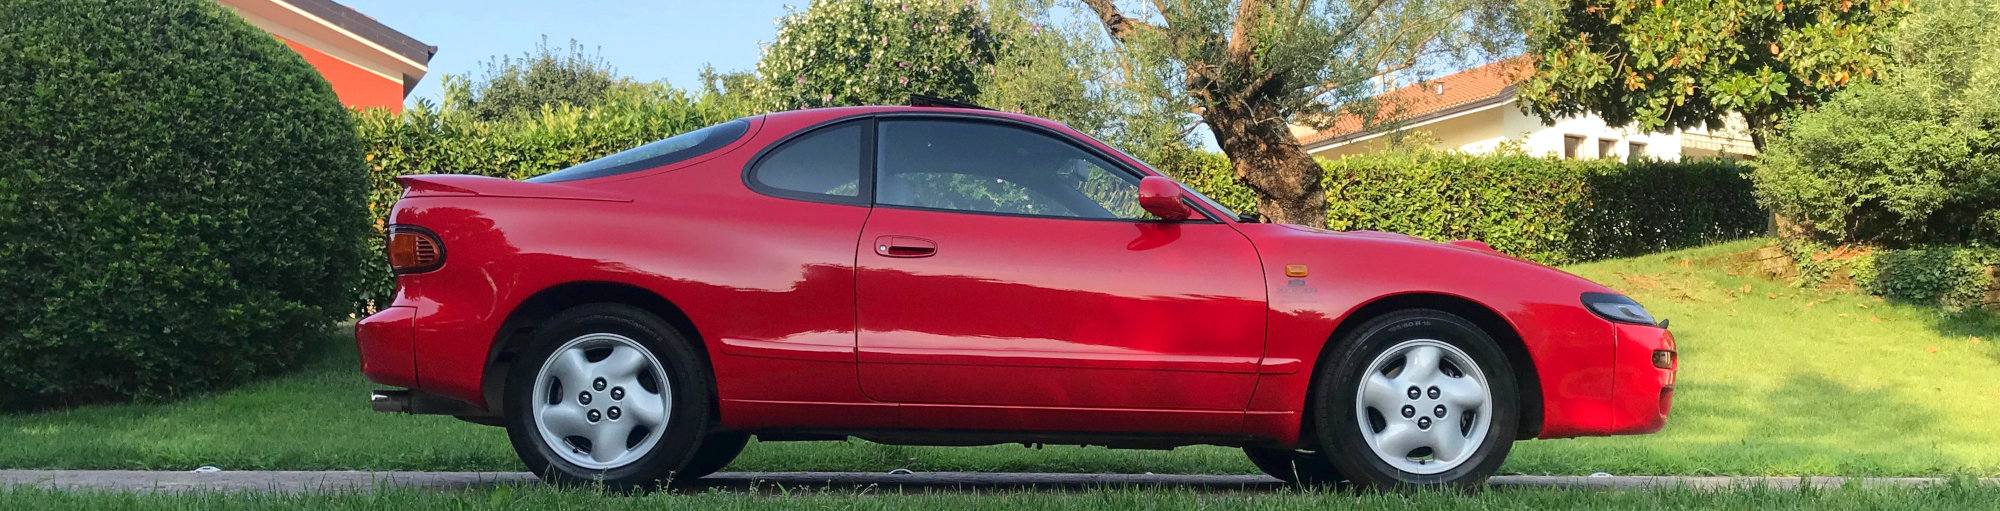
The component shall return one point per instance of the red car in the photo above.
(952, 276)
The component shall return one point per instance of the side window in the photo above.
(992, 168)
(826, 162)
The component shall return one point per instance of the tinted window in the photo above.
(824, 162)
(984, 167)
(674, 149)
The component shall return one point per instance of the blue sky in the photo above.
(647, 40)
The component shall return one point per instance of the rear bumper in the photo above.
(1643, 390)
(387, 341)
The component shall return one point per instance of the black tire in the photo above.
(686, 373)
(715, 453)
(1294, 466)
(1339, 377)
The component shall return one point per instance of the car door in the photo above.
(1008, 264)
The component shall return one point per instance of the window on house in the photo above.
(1635, 150)
(1573, 146)
(1607, 148)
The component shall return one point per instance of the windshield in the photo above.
(674, 149)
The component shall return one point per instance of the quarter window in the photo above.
(826, 162)
(985, 167)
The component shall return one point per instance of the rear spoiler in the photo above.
(462, 185)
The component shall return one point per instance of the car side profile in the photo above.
(955, 276)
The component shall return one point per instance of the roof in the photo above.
(367, 28)
(1478, 87)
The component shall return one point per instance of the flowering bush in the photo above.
(859, 52)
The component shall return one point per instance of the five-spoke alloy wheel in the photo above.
(610, 394)
(1416, 398)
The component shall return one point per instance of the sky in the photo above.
(645, 39)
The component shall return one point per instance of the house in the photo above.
(1476, 111)
(369, 64)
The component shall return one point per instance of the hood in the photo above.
(1472, 245)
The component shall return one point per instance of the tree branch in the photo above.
(1115, 22)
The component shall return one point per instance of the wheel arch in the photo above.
(1527, 381)
(519, 327)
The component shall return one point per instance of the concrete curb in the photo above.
(348, 481)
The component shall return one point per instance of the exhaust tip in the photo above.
(390, 401)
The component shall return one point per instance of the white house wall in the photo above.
(1486, 129)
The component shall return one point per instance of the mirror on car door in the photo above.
(1162, 197)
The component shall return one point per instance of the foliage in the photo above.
(1953, 277)
(865, 52)
(429, 140)
(1546, 209)
(1063, 75)
(1911, 160)
(1686, 63)
(510, 88)
(1251, 69)
(181, 201)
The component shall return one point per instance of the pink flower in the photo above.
(902, 64)
(826, 98)
(903, 81)
(799, 79)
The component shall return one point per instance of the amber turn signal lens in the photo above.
(414, 250)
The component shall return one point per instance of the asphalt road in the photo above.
(297, 482)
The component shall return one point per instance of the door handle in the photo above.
(904, 246)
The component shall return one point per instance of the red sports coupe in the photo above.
(953, 276)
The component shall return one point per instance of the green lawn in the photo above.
(1775, 380)
(1955, 496)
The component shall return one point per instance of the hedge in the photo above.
(1545, 209)
(181, 202)
(425, 139)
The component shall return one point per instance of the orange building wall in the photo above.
(356, 87)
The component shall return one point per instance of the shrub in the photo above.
(1909, 160)
(1545, 209)
(181, 201)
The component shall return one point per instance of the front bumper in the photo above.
(1643, 390)
(387, 341)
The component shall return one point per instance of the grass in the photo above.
(1775, 380)
(1953, 496)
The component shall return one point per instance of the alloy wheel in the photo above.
(602, 401)
(1424, 406)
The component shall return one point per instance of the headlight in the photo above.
(1617, 308)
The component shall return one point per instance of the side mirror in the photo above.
(1162, 197)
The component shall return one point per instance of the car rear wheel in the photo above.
(1294, 466)
(715, 453)
(1416, 398)
(609, 394)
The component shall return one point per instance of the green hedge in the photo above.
(428, 140)
(1546, 209)
(1954, 277)
(181, 201)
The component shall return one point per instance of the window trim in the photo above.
(1113, 163)
(869, 149)
(865, 192)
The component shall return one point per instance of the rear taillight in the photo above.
(414, 249)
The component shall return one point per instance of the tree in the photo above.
(861, 52)
(512, 88)
(1253, 68)
(1684, 63)
(1911, 159)
(1065, 75)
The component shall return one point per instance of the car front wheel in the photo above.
(1416, 398)
(607, 394)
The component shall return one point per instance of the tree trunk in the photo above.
(1271, 162)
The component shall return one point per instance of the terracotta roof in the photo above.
(1444, 95)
